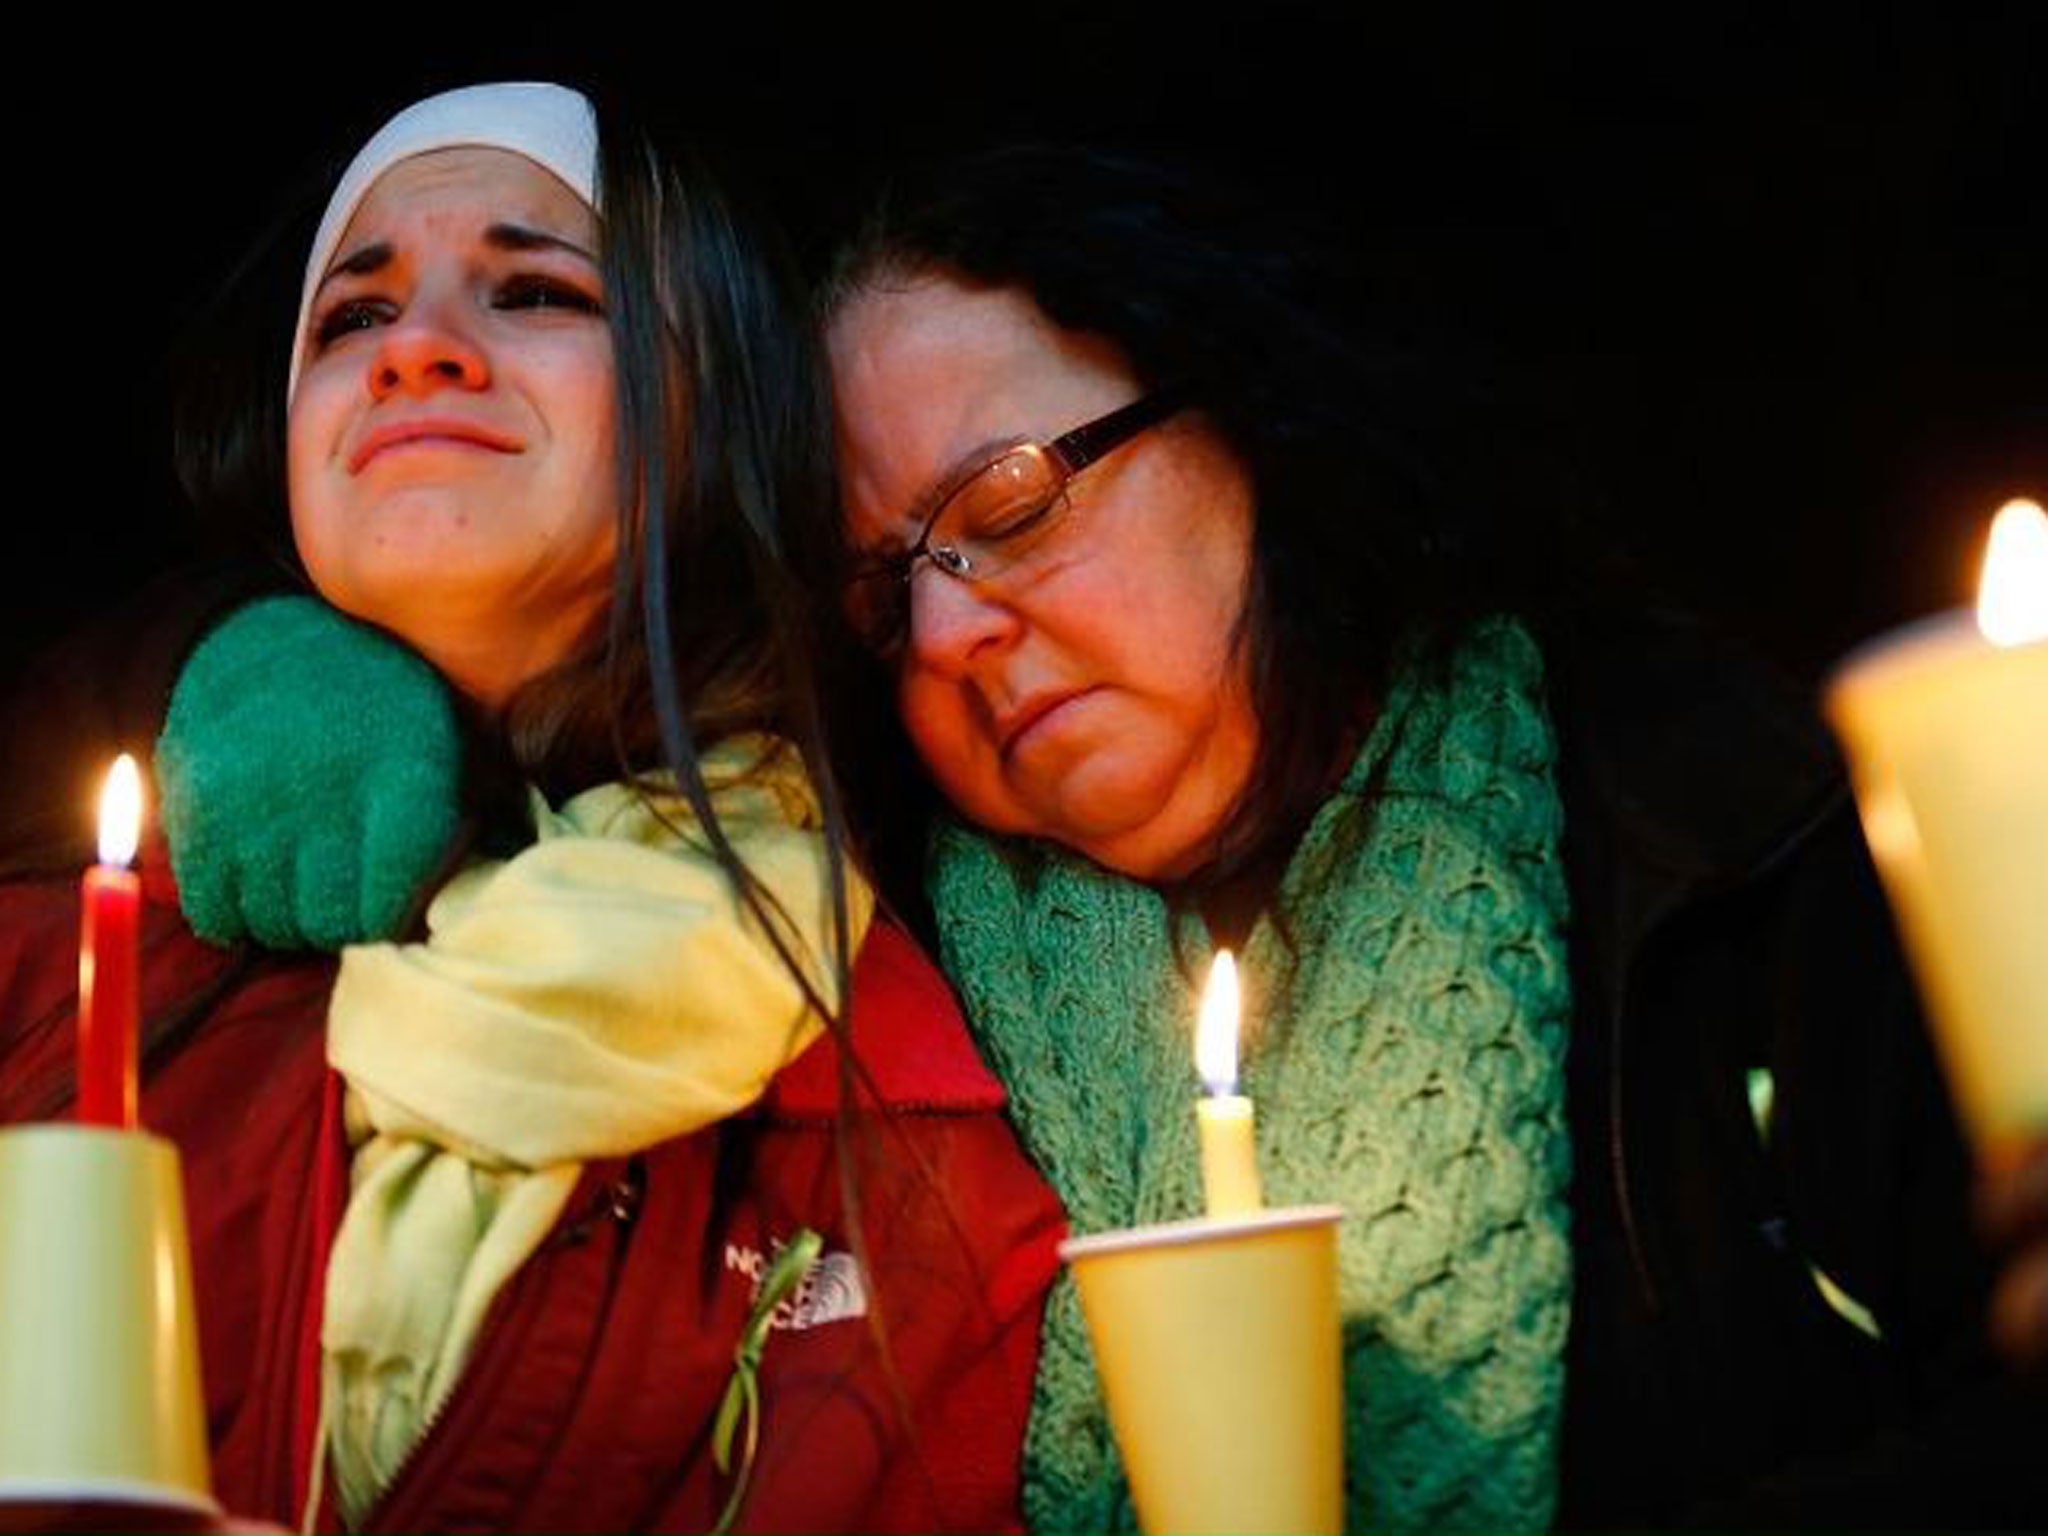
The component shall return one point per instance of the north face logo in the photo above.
(831, 1291)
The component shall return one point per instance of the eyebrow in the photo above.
(964, 467)
(360, 263)
(377, 255)
(517, 237)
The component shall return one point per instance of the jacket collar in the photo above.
(1688, 765)
(910, 1046)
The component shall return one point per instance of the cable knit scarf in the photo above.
(1409, 1067)
(599, 993)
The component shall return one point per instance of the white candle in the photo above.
(1946, 726)
(1230, 1167)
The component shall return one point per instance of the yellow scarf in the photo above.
(600, 992)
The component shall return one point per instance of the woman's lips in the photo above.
(1015, 728)
(434, 430)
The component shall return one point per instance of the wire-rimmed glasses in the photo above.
(993, 518)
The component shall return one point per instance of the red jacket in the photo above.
(589, 1402)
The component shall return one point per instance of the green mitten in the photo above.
(309, 770)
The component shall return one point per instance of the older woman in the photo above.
(540, 1208)
(1572, 985)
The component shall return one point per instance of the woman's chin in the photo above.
(1154, 835)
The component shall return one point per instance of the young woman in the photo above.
(570, 1144)
(1570, 980)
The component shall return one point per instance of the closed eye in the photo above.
(1015, 520)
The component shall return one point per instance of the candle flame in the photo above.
(2012, 597)
(120, 812)
(1216, 1027)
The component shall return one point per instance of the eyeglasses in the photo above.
(993, 519)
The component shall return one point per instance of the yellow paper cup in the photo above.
(99, 1345)
(1947, 738)
(1218, 1345)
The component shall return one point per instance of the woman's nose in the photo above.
(423, 350)
(954, 624)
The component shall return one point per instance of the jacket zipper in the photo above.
(616, 1199)
(1757, 869)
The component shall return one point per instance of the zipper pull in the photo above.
(618, 1201)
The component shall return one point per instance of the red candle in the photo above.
(108, 1006)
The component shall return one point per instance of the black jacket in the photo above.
(1726, 922)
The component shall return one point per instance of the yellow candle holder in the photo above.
(100, 1401)
(1947, 738)
(1222, 1367)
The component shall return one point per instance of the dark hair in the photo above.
(722, 426)
(1364, 430)
(722, 429)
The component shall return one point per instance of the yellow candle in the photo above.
(1230, 1166)
(1946, 726)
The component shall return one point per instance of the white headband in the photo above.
(551, 125)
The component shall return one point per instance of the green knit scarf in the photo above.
(1408, 1065)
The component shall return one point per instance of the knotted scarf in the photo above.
(1411, 1011)
(600, 992)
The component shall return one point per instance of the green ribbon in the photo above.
(741, 1405)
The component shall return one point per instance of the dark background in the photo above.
(1784, 271)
